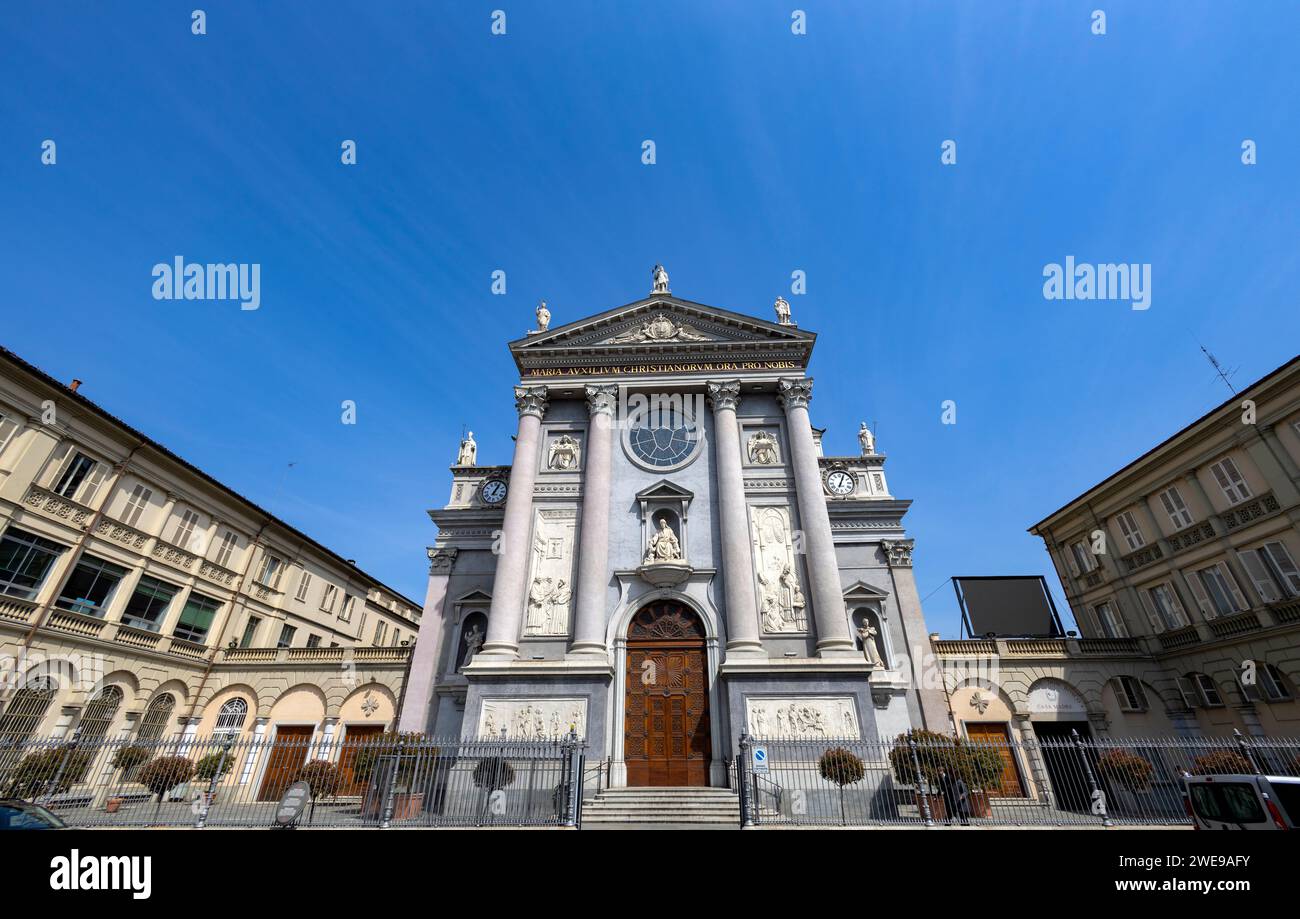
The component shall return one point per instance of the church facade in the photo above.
(670, 561)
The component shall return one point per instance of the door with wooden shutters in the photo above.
(358, 737)
(666, 721)
(288, 753)
(995, 736)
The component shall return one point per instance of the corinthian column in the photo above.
(508, 589)
(737, 562)
(823, 570)
(593, 551)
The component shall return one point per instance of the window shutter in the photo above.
(92, 483)
(1249, 692)
(1153, 615)
(1285, 564)
(1177, 605)
(1258, 572)
(1069, 561)
(1190, 698)
(1231, 580)
(1198, 593)
(55, 468)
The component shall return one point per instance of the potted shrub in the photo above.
(411, 769)
(1125, 769)
(1221, 762)
(980, 767)
(842, 767)
(48, 772)
(212, 768)
(163, 774)
(492, 774)
(127, 759)
(934, 752)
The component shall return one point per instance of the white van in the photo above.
(1243, 802)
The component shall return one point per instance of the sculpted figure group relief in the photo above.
(782, 607)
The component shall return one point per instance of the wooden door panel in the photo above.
(666, 719)
(995, 736)
(353, 740)
(288, 753)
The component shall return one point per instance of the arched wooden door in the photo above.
(666, 721)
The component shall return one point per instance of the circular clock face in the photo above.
(663, 438)
(494, 491)
(839, 482)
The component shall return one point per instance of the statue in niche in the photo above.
(762, 449)
(563, 453)
(543, 316)
(867, 635)
(866, 440)
(473, 641)
(663, 546)
(468, 451)
(782, 307)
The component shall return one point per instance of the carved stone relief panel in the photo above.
(550, 582)
(762, 448)
(781, 603)
(532, 719)
(802, 716)
(563, 452)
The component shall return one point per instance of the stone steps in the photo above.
(685, 806)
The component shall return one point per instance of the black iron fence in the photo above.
(928, 779)
(382, 780)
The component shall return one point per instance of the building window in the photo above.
(185, 529)
(1133, 697)
(1273, 570)
(1191, 699)
(381, 629)
(345, 611)
(99, 714)
(154, 722)
(136, 504)
(7, 428)
(1178, 513)
(1222, 596)
(148, 605)
(313, 641)
(1083, 561)
(25, 561)
(90, 587)
(230, 720)
(227, 547)
(397, 637)
(1163, 608)
(73, 475)
(196, 618)
(250, 632)
(1229, 478)
(1128, 526)
(286, 636)
(1110, 623)
(304, 584)
(26, 710)
(1273, 683)
(1208, 692)
(327, 599)
(272, 568)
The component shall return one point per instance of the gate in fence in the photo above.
(374, 781)
(928, 779)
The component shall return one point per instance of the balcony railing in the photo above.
(1263, 506)
(1180, 638)
(1237, 624)
(13, 609)
(1143, 557)
(1192, 536)
(1286, 612)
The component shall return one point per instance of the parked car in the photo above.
(1243, 802)
(17, 814)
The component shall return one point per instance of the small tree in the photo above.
(979, 766)
(842, 767)
(1221, 762)
(51, 771)
(492, 774)
(128, 758)
(163, 774)
(415, 754)
(322, 776)
(207, 767)
(933, 753)
(1128, 770)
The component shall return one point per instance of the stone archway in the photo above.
(667, 732)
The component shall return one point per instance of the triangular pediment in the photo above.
(664, 489)
(664, 327)
(860, 591)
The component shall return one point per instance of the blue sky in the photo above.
(775, 152)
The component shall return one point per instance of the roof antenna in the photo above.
(1219, 371)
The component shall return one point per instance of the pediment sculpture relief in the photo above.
(659, 329)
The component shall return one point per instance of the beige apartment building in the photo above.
(1181, 572)
(141, 597)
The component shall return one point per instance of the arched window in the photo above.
(154, 722)
(1273, 683)
(230, 720)
(99, 714)
(863, 616)
(26, 710)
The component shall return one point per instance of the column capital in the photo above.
(898, 553)
(441, 560)
(530, 400)
(724, 395)
(601, 400)
(794, 393)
